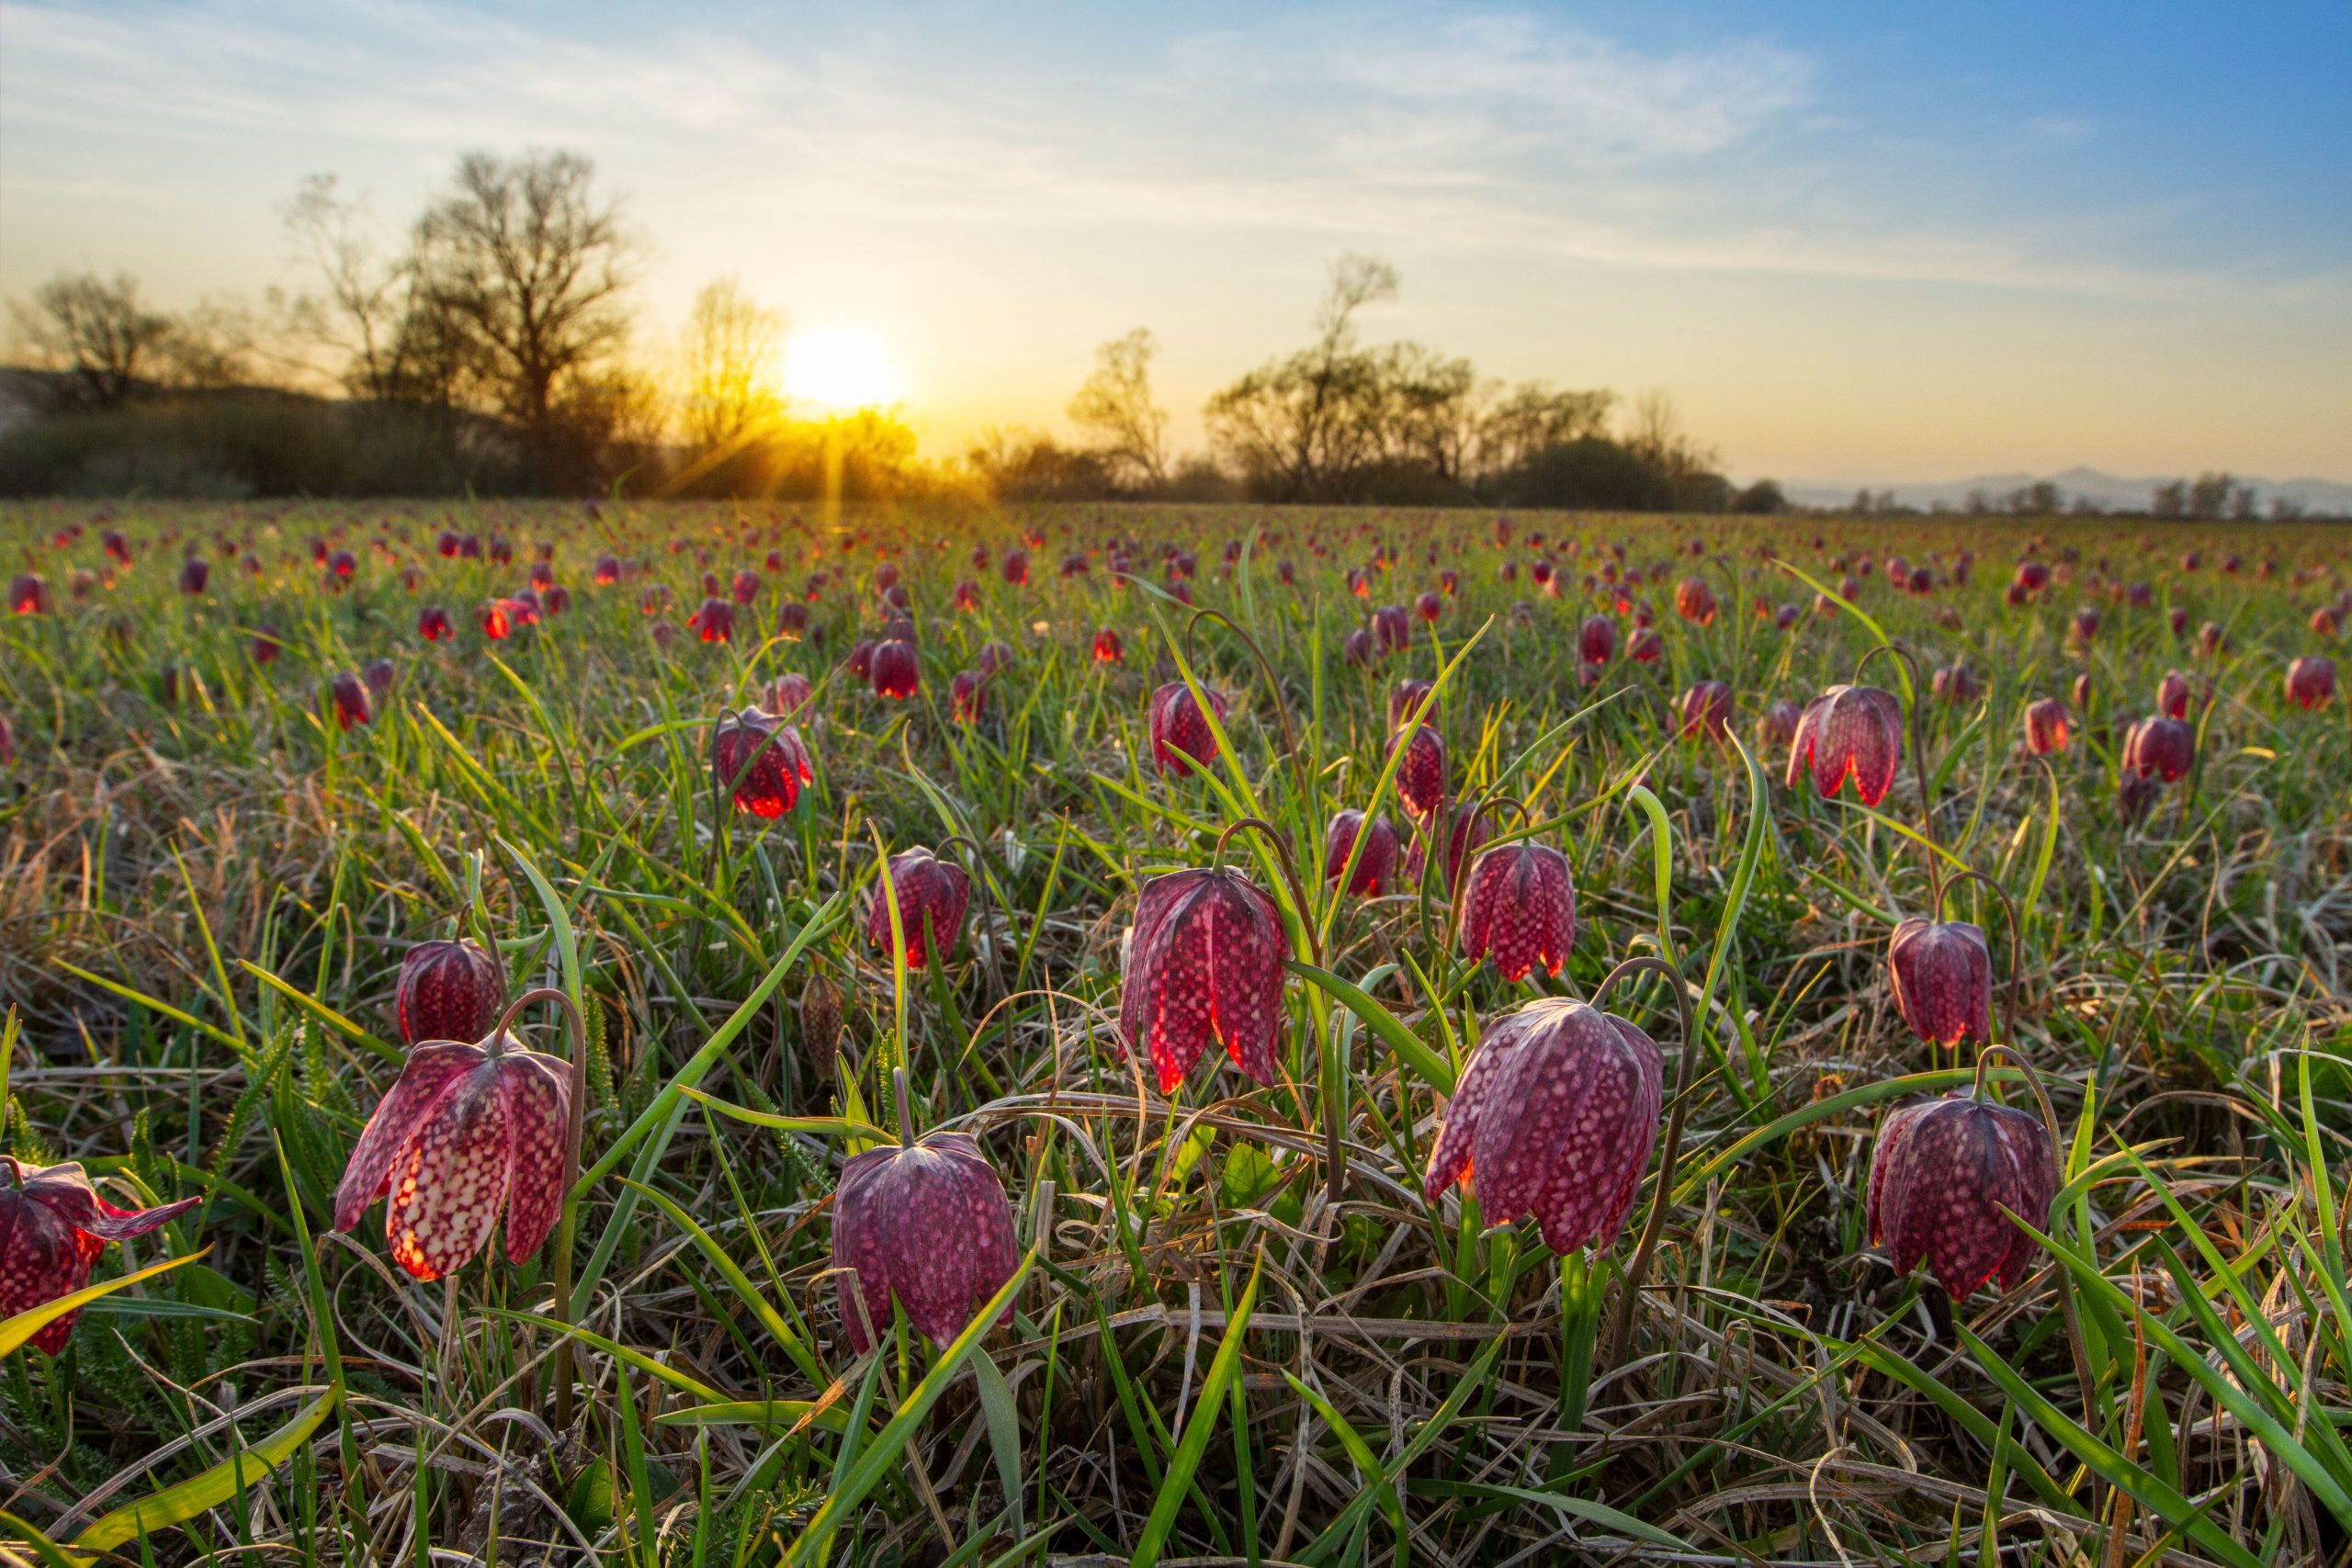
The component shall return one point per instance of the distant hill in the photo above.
(2115, 493)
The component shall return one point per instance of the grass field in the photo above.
(1240, 1331)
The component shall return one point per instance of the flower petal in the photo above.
(432, 1071)
(449, 1191)
(538, 1110)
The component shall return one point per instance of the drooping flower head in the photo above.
(1596, 640)
(926, 1223)
(1181, 736)
(349, 694)
(2172, 694)
(1375, 863)
(53, 1225)
(1555, 1116)
(468, 1135)
(932, 895)
(897, 671)
(1850, 732)
(1420, 776)
(1204, 966)
(968, 696)
(1520, 909)
(1694, 601)
(2310, 681)
(760, 760)
(1943, 980)
(2047, 729)
(1942, 1173)
(2160, 749)
(448, 990)
(1706, 711)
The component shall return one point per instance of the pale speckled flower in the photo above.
(468, 1133)
(1555, 1116)
(929, 1223)
(1420, 777)
(1943, 1172)
(1204, 963)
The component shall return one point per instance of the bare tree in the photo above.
(535, 269)
(2209, 495)
(97, 331)
(1114, 405)
(1296, 427)
(726, 358)
(1658, 438)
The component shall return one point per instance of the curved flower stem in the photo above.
(1290, 874)
(1458, 881)
(1620, 1339)
(2009, 913)
(568, 1221)
(1274, 687)
(1918, 762)
(2065, 1286)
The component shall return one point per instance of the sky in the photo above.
(1906, 241)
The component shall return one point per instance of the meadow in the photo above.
(1230, 1314)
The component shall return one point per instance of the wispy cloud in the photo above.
(1500, 131)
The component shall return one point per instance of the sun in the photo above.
(840, 369)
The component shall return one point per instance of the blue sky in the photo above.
(1895, 242)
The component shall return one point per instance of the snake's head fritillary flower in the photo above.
(1596, 640)
(761, 761)
(609, 570)
(1404, 697)
(448, 990)
(1706, 711)
(994, 655)
(377, 675)
(1520, 909)
(1181, 736)
(1694, 601)
(1940, 1176)
(2310, 681)
(2172, 694)
(1646, 646)
(1375, 863)
(2032, 577)
(468, 1133)
(1850, 732)
(2085, 629)
(29, 595)
(2159, 748)
(53, 1225)
(350, 696)
(1429, 606)
(1392, 628)
(968, 696)
(1943, 980)
(1555, 1116)
(342, 563)
(2047, 727)
(745, 586)
(1356, 647)
(1108, 647)
(1204, 966)
(7, 742)
(195, 572)
(714, 621)
(266, 644)
(932, 895)
(1420, 776)
(498, 620)
(117, 546)
(929, 1224)
(897, 670)
(1952, 684)
(2327, 620)
(1778, 724)
(433, 623)
(1016, 567)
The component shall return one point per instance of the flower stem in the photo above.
(1622, 1339)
